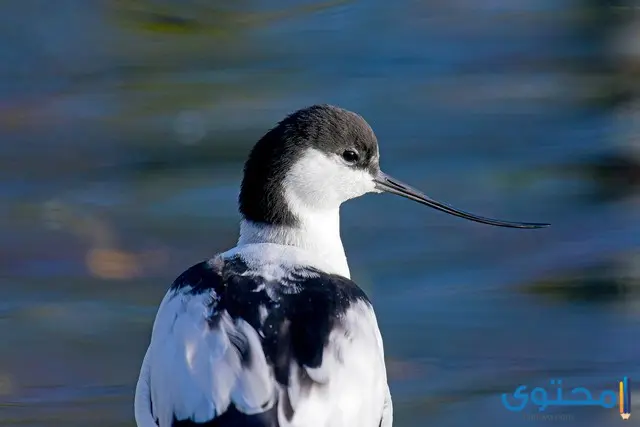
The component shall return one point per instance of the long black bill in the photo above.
(393, 186)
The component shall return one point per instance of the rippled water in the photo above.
(124, 126)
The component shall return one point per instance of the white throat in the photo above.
(318, 235)
(314, 188)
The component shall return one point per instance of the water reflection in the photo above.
(125, 124)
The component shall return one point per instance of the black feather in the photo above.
(302, 310)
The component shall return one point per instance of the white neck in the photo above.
(313, 190)
(318, 234)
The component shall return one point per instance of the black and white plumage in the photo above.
(273, 332)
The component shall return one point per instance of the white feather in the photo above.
(193, 371)
(353, 389)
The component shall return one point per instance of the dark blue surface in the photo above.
(123, 134)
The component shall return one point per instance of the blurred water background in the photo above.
(124, 126)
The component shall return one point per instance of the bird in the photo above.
(274, 332)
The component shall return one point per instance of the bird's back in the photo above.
(246, 339)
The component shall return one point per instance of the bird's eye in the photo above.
(350, 156)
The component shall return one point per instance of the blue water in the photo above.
(124, 125)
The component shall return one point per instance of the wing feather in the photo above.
(229, 345)
(198, 367)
